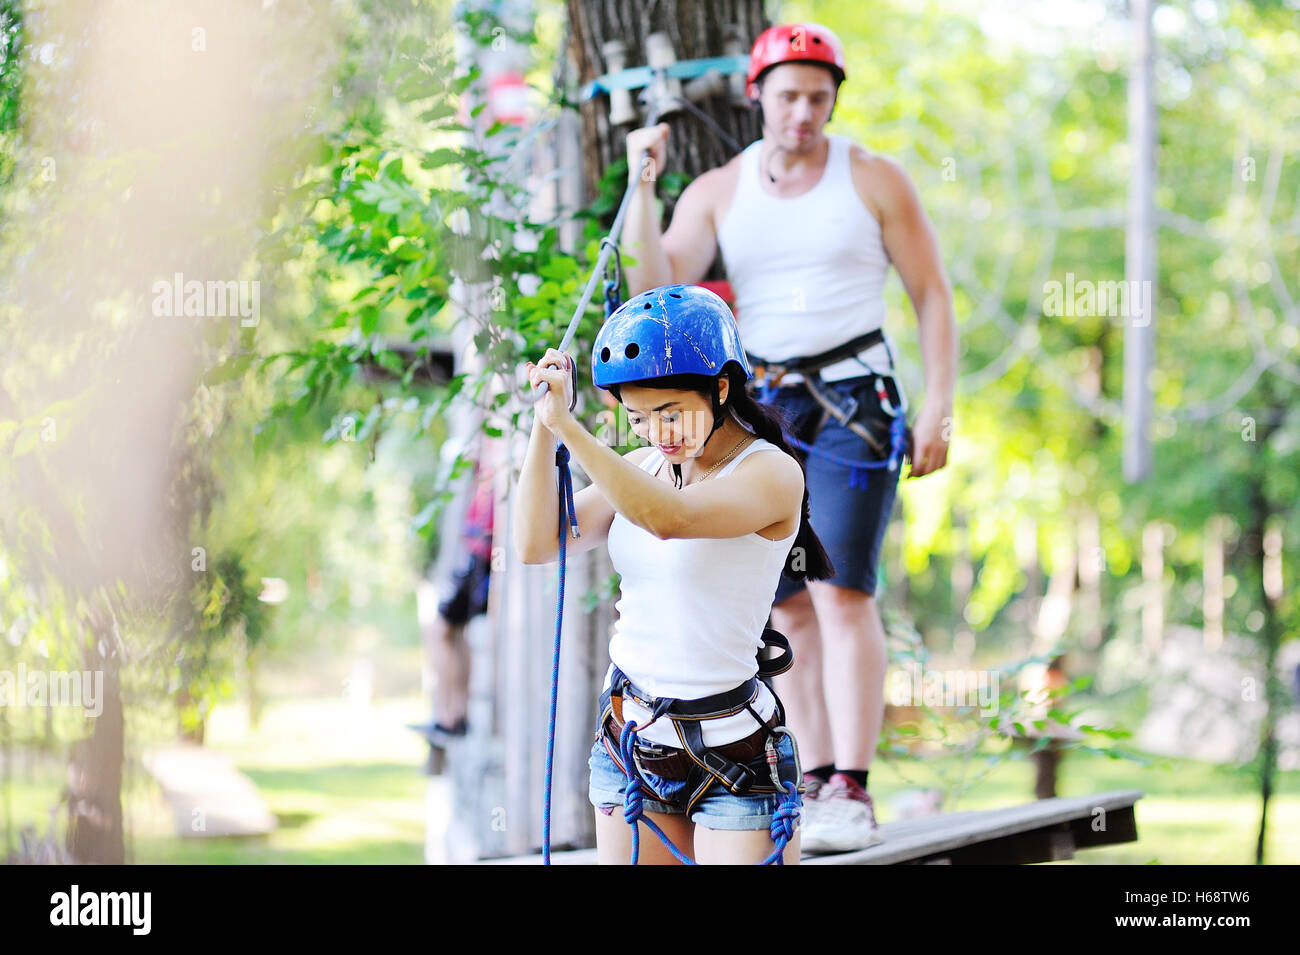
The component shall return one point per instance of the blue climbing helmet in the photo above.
(669, 331)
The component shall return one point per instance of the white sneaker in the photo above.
(845, 819)
(813, 792)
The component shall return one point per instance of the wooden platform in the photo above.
(207, 794)
(1044, 831)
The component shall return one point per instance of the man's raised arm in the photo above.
(684, 253)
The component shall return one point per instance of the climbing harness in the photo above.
(739, 766)
(767, 378)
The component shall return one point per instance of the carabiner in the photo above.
(883, 395)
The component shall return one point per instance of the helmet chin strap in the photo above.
(718, 421)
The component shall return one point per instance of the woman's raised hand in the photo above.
(556, 369)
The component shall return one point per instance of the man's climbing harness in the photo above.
(768, 375)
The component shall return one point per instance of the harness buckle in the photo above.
(848, 409)
(739, 779)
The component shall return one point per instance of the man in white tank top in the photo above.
(808, 225)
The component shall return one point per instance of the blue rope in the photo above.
(632, 807)
(566, 496)
(638, 76)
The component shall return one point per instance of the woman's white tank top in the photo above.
(808, 272)
(691, 614)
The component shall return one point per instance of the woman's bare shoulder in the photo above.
(779, 464)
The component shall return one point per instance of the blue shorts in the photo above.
(719, 809)
(850, 521)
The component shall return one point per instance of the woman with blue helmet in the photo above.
(700, 545)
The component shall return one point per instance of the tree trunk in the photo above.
(1261, 515)
(697, 29)
(95, 833)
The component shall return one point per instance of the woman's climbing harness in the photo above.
(702, 768)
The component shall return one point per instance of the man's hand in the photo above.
(652, 138)
(930, 438)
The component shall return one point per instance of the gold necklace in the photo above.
(743, 441)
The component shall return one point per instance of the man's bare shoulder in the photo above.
(716, 185)
(879, 179)
(869, 158)
(727, 171)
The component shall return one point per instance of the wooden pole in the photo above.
(1153, 573)
(1140, 249)
(1212, 578)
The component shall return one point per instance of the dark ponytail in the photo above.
(807, 559)
(768, 422)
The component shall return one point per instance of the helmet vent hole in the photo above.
(632, 350)
(604, 354)
(649, 305)
(817, 39)
(673, 295)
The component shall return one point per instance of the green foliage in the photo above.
(401, 210)
(11, 77)
(223, 600)
(1019, 153)
(964, 744)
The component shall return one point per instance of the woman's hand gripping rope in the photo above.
(559, 372)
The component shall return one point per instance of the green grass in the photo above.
(347, 786)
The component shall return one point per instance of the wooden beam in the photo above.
(1044, 831)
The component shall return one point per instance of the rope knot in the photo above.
(785, 816)
(561, 455)
(632, 801)
(782, 828)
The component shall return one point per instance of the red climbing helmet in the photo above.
(794, 43)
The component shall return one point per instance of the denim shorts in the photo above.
(719, 809)
(850, 521)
